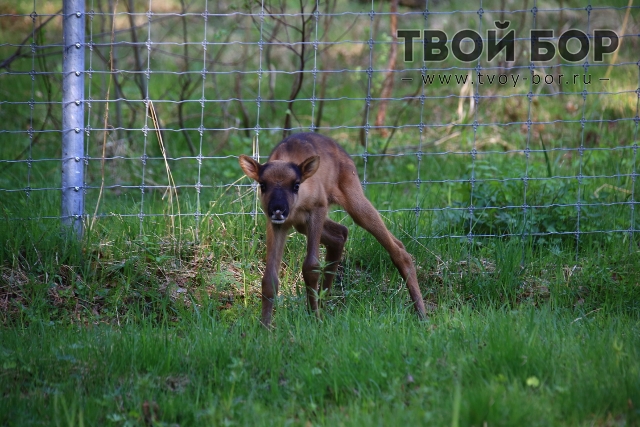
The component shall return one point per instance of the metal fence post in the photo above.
(73, 115)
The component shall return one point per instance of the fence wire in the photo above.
(449, 148)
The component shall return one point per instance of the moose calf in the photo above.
(306, 173)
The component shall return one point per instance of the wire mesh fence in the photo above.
(461, 145)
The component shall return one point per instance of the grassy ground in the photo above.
(130, 329)
(364, 365)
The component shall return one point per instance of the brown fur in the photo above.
(325, 175)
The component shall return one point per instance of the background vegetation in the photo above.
(152, 317)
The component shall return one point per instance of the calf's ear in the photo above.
(250, 167)
(309, 167)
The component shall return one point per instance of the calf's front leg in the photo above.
(276, 237)
(311, 265)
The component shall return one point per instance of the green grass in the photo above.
(364, 365)
(155, 328)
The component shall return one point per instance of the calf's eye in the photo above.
(296, 187)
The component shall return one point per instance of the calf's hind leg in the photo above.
(367, 217)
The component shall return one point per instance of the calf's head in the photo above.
(279, 182)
